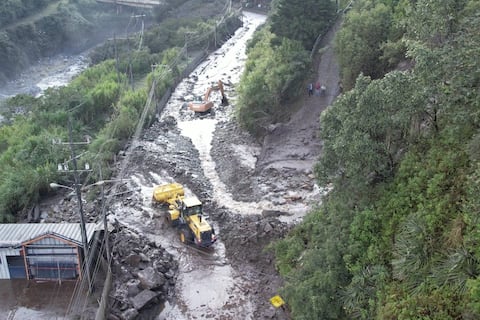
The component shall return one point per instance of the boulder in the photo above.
(269, 313)
(129, 314)
(161, 265)
(143, 257)
(267, 228)
(150, 279)
(133, 260)
(143, 298)
(273, 213)
(133, 287)
(169, 274)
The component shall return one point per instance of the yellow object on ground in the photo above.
(277, 301)
(167, 192)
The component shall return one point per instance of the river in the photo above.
(49, 72)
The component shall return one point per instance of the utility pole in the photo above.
(141, 34)
(80, 209)
(116, 57)
(186, 47)
(130, 69)
(104, 216)
(187, 34)
(215, 35)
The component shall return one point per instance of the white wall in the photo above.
(4, 252)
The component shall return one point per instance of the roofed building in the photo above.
(46, 251)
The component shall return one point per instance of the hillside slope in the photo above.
(60, 27)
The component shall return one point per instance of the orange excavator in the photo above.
(206, 104)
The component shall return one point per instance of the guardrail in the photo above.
(134, 3)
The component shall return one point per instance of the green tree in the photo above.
(402, 153)
(273, 75)
(359, 43)
(367, 130)
(302, 20)
(310, 259)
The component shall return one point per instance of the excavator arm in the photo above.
(207, 94)
(224, 97)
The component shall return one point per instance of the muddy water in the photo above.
(226, 65)
(207, 286)
(34, 300)
(201, 131)
(25, 300)
(206, 282)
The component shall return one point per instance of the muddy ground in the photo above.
(253, 192)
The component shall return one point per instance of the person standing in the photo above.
(317, 88)
(323, 89)
(310, 89)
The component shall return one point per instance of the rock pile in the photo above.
(247, 241)
(144, 275)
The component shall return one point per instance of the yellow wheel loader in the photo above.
(186, 214)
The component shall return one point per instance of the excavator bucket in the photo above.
(222, 91)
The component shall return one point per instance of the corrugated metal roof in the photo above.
(14, 234)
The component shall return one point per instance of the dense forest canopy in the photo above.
(397, 236)
(301, 20)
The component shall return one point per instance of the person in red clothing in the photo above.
(317, 88)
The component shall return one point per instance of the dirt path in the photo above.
(277, 176)
(295, 144)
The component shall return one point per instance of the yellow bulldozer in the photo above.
(186, 214)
